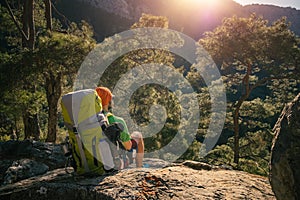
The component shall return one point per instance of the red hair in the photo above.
(105, 94)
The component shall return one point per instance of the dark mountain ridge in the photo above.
(110, 17)
(272, 13)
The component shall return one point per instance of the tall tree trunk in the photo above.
(28, 36)
(25, 24)
(17, 131)
(236, 125)
(31, 122)
(246, 85)
(48, 14)
(53, 92)
(31, 38)
(31, 126)
(27, 31)
(53, 86)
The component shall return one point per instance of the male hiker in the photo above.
(129, 141)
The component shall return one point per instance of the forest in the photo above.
(41, 53)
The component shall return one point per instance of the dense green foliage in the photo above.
(33, 80)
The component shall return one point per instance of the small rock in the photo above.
(197, 165)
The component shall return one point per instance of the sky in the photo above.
(282, 3)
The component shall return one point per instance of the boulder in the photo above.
(22, 169)
(285, 155)
(28, 157)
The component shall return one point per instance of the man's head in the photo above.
(106, 96)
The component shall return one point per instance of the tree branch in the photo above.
(65, 19)
(265, 80)
(48, 14)
(15, 21)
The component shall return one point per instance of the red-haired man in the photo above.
(129, 141)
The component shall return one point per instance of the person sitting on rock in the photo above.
(129, 141)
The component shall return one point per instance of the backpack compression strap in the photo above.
(79, 143)
(81, 151)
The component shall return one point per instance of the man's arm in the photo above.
(139, 142)
(127, 145)
(124, 136)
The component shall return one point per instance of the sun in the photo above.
(207, 6)
(198, 3)
(203, 2)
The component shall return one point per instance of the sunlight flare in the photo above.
(203, 2)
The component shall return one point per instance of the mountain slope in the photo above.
(110, 17)
(273, 13)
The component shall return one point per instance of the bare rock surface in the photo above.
(176, 181)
